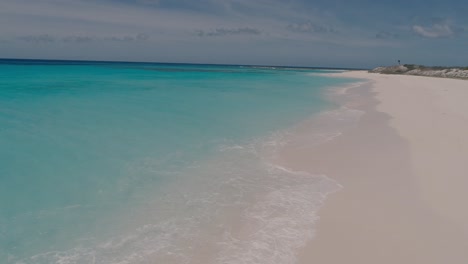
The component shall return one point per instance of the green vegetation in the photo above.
(434, 71)
(411, 66)
(428, 68)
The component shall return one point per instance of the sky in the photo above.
(320, 33)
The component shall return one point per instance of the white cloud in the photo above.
(107, 29)
(229, 31)
(438, 30)
(310, 27)
(93, 17)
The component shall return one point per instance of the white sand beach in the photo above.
(404, 171)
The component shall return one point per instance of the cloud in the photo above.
(309, 27)
(138, 37)
(386, 35)
(43, 38)
(229, 31)
(47, 38)
(77, 39)
(437, 30)
(187, 30)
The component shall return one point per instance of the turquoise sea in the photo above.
(153, 163)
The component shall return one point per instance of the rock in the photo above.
(411, 69)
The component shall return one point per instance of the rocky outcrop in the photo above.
(411, 69)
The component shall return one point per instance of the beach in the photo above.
(403, 168)
(171, 163)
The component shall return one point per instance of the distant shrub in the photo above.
(411, 66)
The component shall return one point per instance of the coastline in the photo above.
(153, 202)
(342, 181)
(420, 70)
(402, 170)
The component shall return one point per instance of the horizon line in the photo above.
(176, 63)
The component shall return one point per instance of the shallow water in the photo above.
(154, 163)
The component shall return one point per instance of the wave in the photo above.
(238, 206)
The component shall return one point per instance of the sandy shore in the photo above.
(404, 169)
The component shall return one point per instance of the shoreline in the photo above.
(393, 207)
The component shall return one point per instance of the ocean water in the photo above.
(154, 163)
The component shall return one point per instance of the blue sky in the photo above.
(332, 33)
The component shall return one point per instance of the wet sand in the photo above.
(404, 171)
